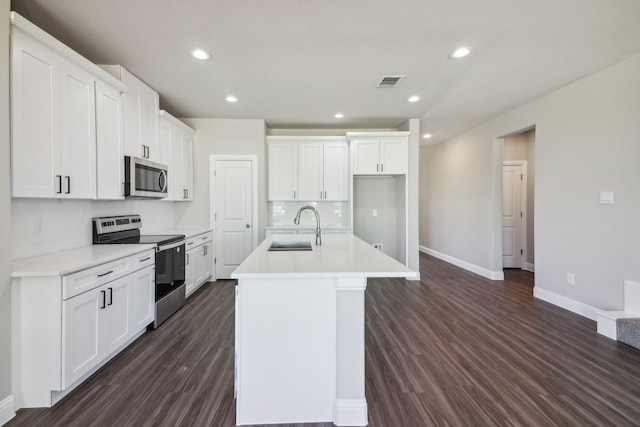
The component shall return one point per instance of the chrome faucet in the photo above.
(296, 221)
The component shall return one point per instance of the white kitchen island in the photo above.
(300, 330)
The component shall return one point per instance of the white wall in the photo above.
(223, 136)
(41, 226)
(587, 141)
(5, 218)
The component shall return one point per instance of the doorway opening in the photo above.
(518, 183)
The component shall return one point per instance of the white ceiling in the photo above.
(295, 63)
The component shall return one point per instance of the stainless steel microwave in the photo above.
(144, 179)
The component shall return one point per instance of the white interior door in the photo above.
(233, 215)
(512, 216)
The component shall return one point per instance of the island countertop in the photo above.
(342, 255)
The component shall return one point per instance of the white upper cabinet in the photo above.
(176, 151)
(77, 132)
(110, 142)
(141, 109)
(53, 116)
(308, 169)
(283, 171)
(379, 154)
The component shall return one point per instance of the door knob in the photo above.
(248, 225)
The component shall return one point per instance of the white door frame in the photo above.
(523, 207)
(253, 158)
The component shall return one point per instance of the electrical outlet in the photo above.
(378, 246)
(571, 279)
(375, 212)
(37, 228)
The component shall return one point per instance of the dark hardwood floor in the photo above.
(451, 350)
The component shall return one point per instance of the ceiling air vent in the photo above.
(390, 81)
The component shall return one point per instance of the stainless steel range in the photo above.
(170, 259)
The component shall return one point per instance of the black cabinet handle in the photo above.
(104, 274)
(146, 259)
(59, 178)
(110, 296)
(68, 178)
(104, 299)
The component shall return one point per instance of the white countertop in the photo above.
(188, 232)
(73, 260)
(341, 255)
(305, 227)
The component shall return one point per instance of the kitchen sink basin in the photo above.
(290, 246)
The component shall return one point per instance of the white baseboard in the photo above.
(350, 412)
(7, 409)
(567, 303)
(415, 278)
(493, 275)
(529, 267)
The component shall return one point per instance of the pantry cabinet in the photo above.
(379, 154)
(308, 169)
(109, 142)
(176, 151)
(53, 116)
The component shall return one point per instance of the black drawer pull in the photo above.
(146, 259)
(104, 274)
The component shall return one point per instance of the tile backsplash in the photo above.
(332, 214)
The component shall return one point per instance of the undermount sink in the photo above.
(290, 246)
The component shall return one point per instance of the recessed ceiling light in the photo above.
(414, 98)
(338, 115)
(460, 52)
(201, 55)
(426, 136)
(231, 98)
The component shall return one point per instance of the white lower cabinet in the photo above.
(199, 262)
(66, 327)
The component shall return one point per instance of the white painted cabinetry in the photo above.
(54, 115)
(110, 142)
(308, 169)
(141, 113)
(66, 327)
(379, 153)
(199, 262)
(176, 151)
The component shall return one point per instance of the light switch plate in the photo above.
(606, 197)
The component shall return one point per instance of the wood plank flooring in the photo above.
(451, 350)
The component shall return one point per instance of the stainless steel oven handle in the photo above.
(170, 246)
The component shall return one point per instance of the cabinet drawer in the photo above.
(144, 259)
(82, 281)
(198, 240)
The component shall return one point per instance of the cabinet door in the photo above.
(310, 158)
(35, 143)
(77, 132)
(187, 166)
(394, 156)
(336, 171)
(114, 319)
(149, 113)
(207, 261)
(132, 115)
(283, 171)
(190, 270)
(175, 176)
(80, 334)
(199, 268)
(109, 142)
(141, 299)
(167, 157)
(366, 156)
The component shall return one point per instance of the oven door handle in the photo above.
(170, 246)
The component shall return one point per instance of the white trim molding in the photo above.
(484, 272)
(529, 267)
(350, 412)
(567, 303)
(7, 409)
